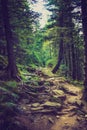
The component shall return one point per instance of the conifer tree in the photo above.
(84, 23)
(12, 69)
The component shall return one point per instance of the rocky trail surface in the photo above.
(49, 103)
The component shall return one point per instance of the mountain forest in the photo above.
(43, 70)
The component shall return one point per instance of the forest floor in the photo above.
(48, 102)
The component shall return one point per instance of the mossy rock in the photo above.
(52, 104)
(58, 92)
(35, 105)
(37, 108)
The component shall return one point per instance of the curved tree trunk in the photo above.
(60, 55)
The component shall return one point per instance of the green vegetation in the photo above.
(29, 53)
(58, 45)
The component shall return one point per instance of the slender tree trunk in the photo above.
(78, 68)
(77, 64)
(65, 59)
(60, 57)
(84, 22)
(12, 69)
(73, 63)
(70, 60)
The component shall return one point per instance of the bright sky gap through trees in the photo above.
(39, 7)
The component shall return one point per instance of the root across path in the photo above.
(49, 103)
(54, 105)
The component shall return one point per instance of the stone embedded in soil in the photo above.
(58, 92)
(51, 104)
(79, 103)
(75, 101)
(35, 105)
(57, 116)
(58, 99)
(37, 108)
(51, 120)
(67, 88)
(44, 111)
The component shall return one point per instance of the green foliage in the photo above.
(51, 62)
(63, 67)
(38, 47)
(8, 101)
(63, 70)
(10, 88)
(12, 84)
(8, 98)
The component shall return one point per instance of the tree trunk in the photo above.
(60, 56)
(73, 62)
(70, 60)
(12, 69)
(84, 23)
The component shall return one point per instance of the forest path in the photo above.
(74, 111)
(52, 104)
(70, 113)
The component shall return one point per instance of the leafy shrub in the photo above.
(12, 84)
(63, 70)
(50, 62)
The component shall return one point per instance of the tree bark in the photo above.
(60, 57)
(12, 69)
(73, 62)
(84, 23)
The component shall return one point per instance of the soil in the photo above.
(31, 114)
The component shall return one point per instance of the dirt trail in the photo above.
(72, 115)
(69, 116)
(69, 119)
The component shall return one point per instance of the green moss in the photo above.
(12, 84)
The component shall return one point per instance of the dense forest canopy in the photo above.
(58, 45)
(43, 64)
